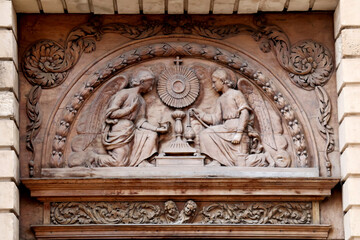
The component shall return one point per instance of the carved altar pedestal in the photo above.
(179, 127)
(177, 161)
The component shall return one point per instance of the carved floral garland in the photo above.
(46, 64)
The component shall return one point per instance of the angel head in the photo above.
(171, 208)
(220, 77)
(190, 208)
(143, 78)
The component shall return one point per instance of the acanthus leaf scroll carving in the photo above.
(47, 62)
(121, 213)
(68, 213)
(309, 63)
(257, 213)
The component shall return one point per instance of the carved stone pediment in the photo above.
(242, 107)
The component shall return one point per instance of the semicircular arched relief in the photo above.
(240, 115)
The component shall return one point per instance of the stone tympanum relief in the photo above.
(226, 123)
(67, 213)
(276, 137)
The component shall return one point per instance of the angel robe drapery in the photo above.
(215, 141)
(126, 142)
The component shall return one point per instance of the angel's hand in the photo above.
(193, 111)
(237, 138)
(163, 129)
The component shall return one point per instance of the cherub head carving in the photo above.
(171, 211)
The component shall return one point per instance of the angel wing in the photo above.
(261, 111)
(90, 124)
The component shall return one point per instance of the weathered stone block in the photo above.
(349, 132)
(52, 6)
(346, 15)
(199, 6)
(248, 6)
(272, 5)
(298, 5)
(351, 223)
(325, 5)
(9, 197)
(9, 226)
(9, 106)
(9, 163)
(26, 6)
(175, 6)
(348, 101)
(350, 162)
(351, 193)
(103, 6)
(9, 129)
(346, 74)
(79, 6)
(347, 45)
(128, 7)
(154, 6)
(223, 6)
(8, 46)
(8, 16)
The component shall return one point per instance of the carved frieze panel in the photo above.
(66, 213)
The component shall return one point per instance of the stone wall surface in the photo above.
(347, 32)
(9, 120)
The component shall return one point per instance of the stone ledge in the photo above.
(180, 172)
(9, 226)
(127, 231)
(213, 189)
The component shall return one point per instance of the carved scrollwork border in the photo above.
(46, 63)
(183, 49)
(237, 213)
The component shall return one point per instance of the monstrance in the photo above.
(178, 87)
